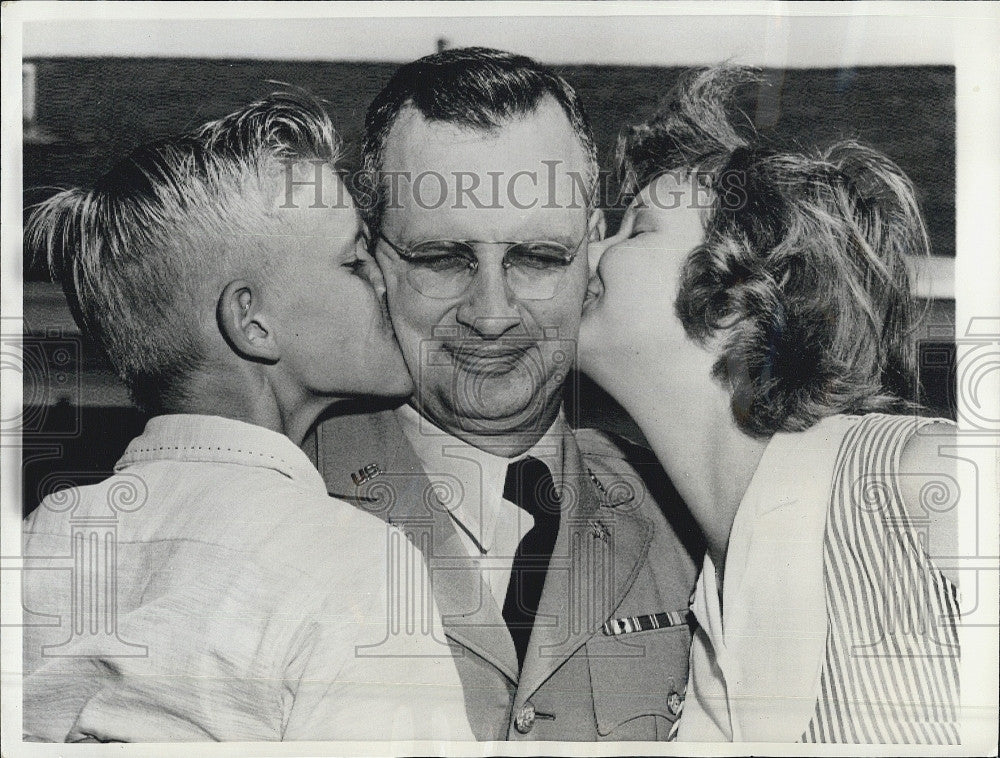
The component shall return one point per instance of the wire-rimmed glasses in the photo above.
(444, 269)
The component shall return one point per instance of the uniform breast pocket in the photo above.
(639, 680)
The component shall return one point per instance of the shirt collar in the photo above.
(438, 451)
(214, 439)
(796, 472)
(763, 490)
(766, 639)
(419, 431)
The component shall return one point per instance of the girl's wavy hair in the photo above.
(801, 282)
(135, 251)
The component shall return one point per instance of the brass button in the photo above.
(525, 718)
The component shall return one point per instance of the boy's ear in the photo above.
(244, 323)
(597, 227)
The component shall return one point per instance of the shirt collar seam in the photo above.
(296, 472)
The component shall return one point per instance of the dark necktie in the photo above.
(529, 485)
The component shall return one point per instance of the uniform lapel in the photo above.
(597, 557)
(402, 495)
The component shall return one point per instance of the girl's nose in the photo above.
(596, 250)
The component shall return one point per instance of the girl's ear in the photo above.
(245, 324)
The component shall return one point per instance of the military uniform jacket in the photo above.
(608, 653)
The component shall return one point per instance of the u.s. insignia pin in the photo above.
(366, 474)
(599, 531)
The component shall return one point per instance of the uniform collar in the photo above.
(214, 439)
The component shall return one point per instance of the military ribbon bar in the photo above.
(645, 623)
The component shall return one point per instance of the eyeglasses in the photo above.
(444, 269)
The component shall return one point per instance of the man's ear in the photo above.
(597, 227)
(244, 324)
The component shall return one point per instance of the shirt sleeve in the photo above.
(377, 666)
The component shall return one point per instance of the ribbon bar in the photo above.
(645, 623)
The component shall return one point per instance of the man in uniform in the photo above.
(561, 560)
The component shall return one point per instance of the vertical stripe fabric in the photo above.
(891, 668)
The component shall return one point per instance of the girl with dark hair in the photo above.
(754, 316)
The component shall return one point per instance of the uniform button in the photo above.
(525, 718)
(675, 702)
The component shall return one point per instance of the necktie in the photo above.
(529, 485)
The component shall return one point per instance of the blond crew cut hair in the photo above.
(135, 252)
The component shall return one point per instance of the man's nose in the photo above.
(490, 308)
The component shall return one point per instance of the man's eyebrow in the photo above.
(565, 239)
(546, 234)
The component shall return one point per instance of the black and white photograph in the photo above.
(415, 378)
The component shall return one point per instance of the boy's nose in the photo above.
(374, 275)
(595, 251)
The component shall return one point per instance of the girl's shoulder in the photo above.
(900, 472)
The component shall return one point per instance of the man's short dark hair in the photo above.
(472, 87)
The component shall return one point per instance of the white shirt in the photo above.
(490, 526)
(251, 605)
(824, 569)
(754, 676)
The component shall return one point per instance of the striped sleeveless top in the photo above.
(837, 625)
(890, 673)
